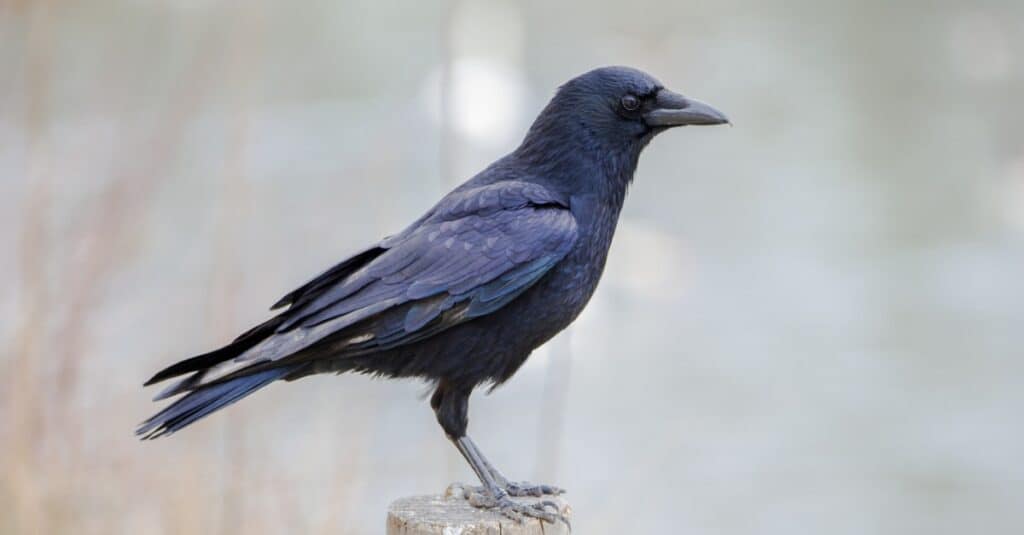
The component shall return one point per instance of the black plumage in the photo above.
(464, 294)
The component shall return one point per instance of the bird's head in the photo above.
(615, 109)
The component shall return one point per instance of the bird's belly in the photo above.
(538, 315)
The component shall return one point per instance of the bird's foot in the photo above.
(523, 488)
(500, 501)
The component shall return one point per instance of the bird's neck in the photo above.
(580, 165)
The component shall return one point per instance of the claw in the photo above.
(549, 503)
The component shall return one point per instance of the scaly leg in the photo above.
(513, 488)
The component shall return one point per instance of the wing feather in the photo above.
(474, 253)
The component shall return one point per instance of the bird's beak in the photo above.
(673, 109)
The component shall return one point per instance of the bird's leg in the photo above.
(493, 496)
(451, 407)
(513, 488)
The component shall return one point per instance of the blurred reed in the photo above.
(66, 268)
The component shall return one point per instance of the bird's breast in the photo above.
(575, 278)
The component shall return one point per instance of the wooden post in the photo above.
(451, 514)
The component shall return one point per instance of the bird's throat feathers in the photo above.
(582, 160)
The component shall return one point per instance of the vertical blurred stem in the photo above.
(446, 144)
(25, 406)
(243, 55)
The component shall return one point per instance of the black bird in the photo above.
(464, 294)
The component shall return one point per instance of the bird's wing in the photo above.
(325, 280)
(472, 254)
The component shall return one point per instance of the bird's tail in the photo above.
(206, 400)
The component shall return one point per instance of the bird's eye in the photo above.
(630, 102)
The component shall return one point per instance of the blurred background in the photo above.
(810, 323)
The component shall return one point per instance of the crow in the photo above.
(465, 293)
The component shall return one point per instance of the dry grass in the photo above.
(54, 476)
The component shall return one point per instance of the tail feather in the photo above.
(201, 362)
(204, 401)
(179, 386)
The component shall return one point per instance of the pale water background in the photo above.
(811, 322)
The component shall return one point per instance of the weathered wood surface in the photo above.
(451, 514)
